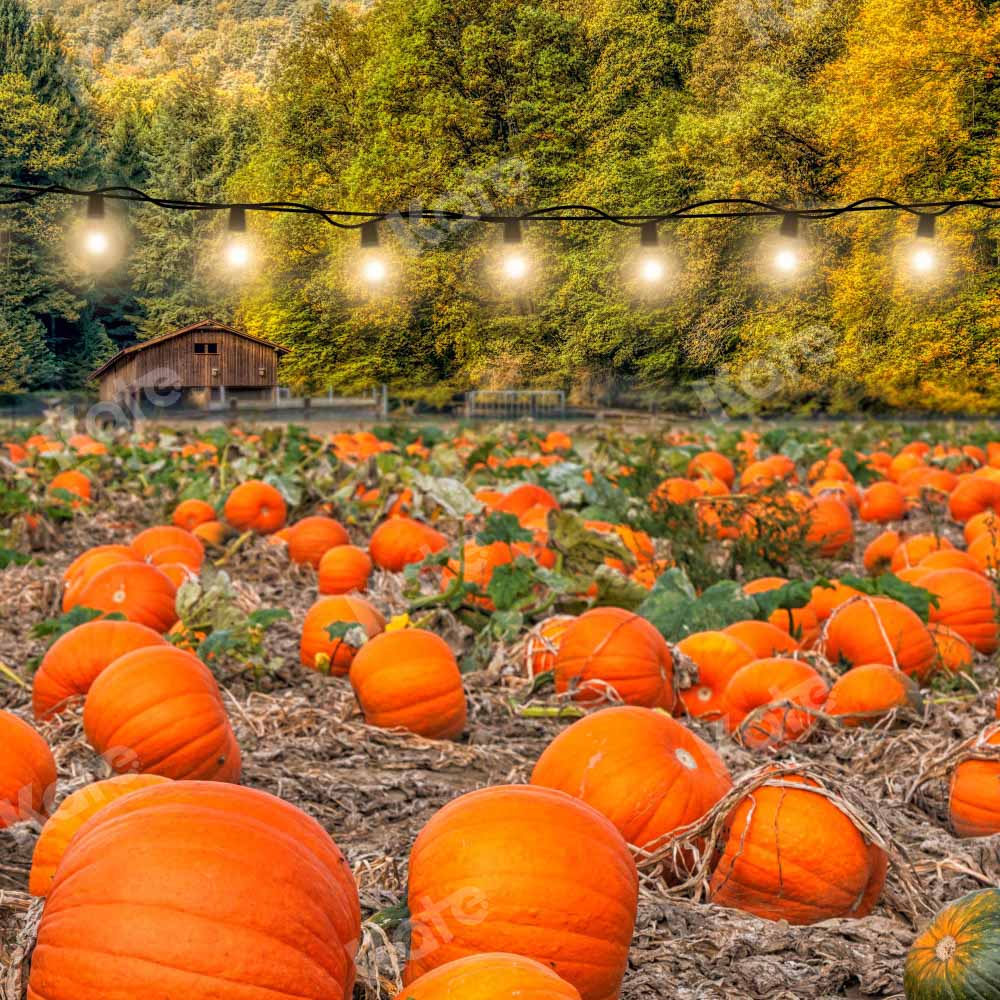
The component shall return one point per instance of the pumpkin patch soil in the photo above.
(303, 739)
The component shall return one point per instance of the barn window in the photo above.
(206, 348)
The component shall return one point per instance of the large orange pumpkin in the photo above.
(764, 638)
(492, 976)
(410, 678)
(974, 495)
(201, 891)
(645, 771)
(792, 854)
(138, 591)
(400, 541)
(831, 527)
(717, 656)
(882, 502)
(312, 537)
(974, 800)
(610, 649)
(86, 566)
(318, 650)
(914, 548)
(543, 643)
(76, 659)
(256, 506)
(190, 513)
(879, 630)
(985, 549)
(880, 550)
(73, 482)
(565, 893)
(967, 604)
(72, 813)
(863, 694)
(27, 772)
(165, 536)
(712, 465)
(158, 710)
(776, 682)
(954, 654)
(344, 569)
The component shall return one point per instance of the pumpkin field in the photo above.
(477, 713)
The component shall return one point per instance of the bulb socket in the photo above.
(237, 219)
(512, 234)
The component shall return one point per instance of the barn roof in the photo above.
(205, 324)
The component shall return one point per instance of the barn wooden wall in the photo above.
(174, 363)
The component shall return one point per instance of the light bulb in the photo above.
(924, 260)
(96, 242)
(651, 270)
(786, 260)
(237, 254)
(515, 266)
(374, 270)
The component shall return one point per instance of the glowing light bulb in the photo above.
(652, 270)
(515, 267)
(374, 271)
(924, 260)
(96, 242)
(786, 261)
(237, 254)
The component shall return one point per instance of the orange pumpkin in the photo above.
(410, 678)
(87, 567)
(792, 854)
(878, 555)
(948, 559)
(158, 710)
(974, 495)
(645, 771)
(776, 682)
(967, 604)
(985, 549)
(80, 565)
(974, 799)
(318, 650)
(256, 506)
(718, 656)
(610, 649)
(73, 482)
(165, 536)
(542, 644)
(136, 590)
(190, 513)
(865, 693)
(523, 498)
(879, 630)
(986, 523)
(491, 976)
(914, 548)
(712, 465)
(344, 569)
(566, 894)
(72, 813)
(312, 537)
(831, 527)
(185, 872)
(212, 532)
(882, 502)
(400, 541)
(764, 638)
(27, 772)
(954, 654)
(77, 658)
(825, 600)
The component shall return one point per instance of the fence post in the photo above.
(384, 405)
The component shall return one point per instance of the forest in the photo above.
(502, 106)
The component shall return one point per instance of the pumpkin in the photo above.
(73, 482)
(986, 523)
(879, 630)
(974, 798)
(617, 650)
(914, 548)
(77, 658)
(542, 644)
(312, 537)
(80, 565)
(985, 549)
(158, 710)
(400, 541)
(866, 692)
(792, 854)
(72, 813)
(831, 527)
(523, 498)
(491, 976)
(801, 623)
(97, 559)
(165, 536)
(27, 772)
(882, 502)
(255, 506)
(410, 678)
(764, 638)
(948, 559)
(955, 956)
(879, 552)
(477, 566)
(344, 569)
(774, 681)
(204, 891)
(974, 495)
(954, 654)
(825, 600)
(565, 894)
(190, 513)
(718, 656)
(136, 590)
(645, 771)
(318, 650)
(212, 532)
(712, 465)
(967, 604)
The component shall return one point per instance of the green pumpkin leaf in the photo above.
(503, 527)
(889, 585)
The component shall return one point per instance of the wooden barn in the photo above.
(204, 366)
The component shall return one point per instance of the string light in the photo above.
(373, 266)
(652, 267)
(515, 264)
(788, 256)
(237, 248)
(95, 238)
(924, 259)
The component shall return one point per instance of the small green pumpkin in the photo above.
(958, 956)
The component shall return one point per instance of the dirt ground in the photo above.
(303, 740)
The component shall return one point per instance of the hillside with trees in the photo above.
(498, 105)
